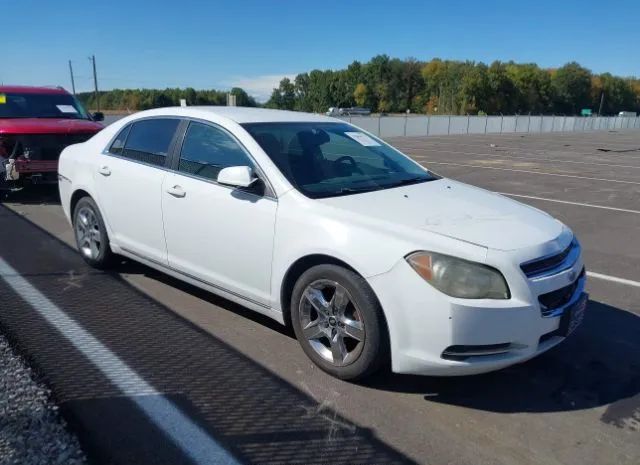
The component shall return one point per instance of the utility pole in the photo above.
(95, 81)
(73, 84)
(601, 102)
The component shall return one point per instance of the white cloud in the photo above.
(260, 87)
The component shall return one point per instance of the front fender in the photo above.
(305, 227)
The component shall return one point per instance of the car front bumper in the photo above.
(434, 334)
(27, 167)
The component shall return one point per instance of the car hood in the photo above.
(47, 126)
(455, 210)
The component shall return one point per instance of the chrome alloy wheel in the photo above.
(331, 322)
(88, 233)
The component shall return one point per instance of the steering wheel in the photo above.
(351, 160)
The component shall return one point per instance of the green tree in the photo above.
(531, 86)
(283, 97)
(360, 94)
(571, 85)
(437, 86)
(242, 98)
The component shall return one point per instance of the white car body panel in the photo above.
(456, 210)
(241, 246)
(228, 244)
(129, 185)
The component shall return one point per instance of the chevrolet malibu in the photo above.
(371, 258)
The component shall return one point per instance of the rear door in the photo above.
(129, 180)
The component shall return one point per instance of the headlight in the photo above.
(459, 278)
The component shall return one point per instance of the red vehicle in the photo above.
(36, 123)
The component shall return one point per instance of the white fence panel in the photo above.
(535, 124)
(477, 124)
(509, 124)
(494, 124)
(417, 125)
(556, 124)
(522, 123)
(438, 125)
(458, 125)
(392, 126)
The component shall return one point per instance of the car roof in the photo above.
(32, 90)
(242, 114)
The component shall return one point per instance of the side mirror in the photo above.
(98, 116)
(237, 176)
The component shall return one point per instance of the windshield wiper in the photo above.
(405, 182)
(357, 190)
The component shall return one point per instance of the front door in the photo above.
(217, 234)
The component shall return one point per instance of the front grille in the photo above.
(548, 336)
(541, 265)
(45, 146)
(558, 298)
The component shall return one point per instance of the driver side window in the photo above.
(207, 149)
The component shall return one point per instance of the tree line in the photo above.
(438, 86)
(143, 99)
(386, 84)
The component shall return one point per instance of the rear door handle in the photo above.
(104, 171)
(176, 191)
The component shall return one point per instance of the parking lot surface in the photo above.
(243, 383)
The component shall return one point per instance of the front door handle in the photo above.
(176, 191)
(104, 171)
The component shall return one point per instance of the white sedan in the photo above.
(370, 257)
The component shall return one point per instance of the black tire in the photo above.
(104, 257)
(373, 352)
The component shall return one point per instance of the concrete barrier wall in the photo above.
(438, 125)
(421, 125)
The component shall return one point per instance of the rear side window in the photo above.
(207, 149)
(118, 143)
(149, 140)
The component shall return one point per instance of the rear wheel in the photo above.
(91, 235)
(338, 322)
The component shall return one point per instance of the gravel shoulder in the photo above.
(32, 432)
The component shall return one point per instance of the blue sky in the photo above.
(252, 44)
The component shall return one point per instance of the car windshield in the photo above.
(27, 105)
(332, 159)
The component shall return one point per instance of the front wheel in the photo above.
(338, 321)
(91, 234)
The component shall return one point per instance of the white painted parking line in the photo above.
(576, 147)
(193, 441)
(580, 204)
(606, 277)
(532, 172)
(435, 151)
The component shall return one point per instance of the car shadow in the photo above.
(36, 194)
(598, 365)
(126, 266)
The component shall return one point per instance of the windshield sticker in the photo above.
(3, 98)
(67, 109)
(363, 139)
